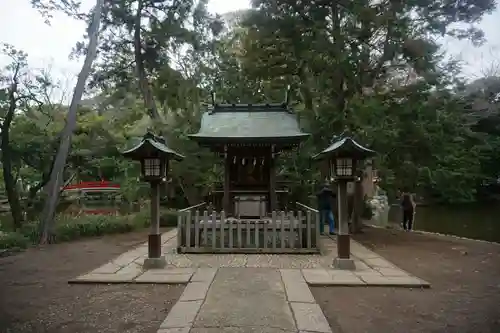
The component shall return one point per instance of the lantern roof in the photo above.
(344, 145)
(151, 145)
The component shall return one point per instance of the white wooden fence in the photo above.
(290, 232)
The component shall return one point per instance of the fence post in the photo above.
(282, 229)
(205, 228)
(248, 236)
(308, 232)
(222, 225)
(214, 230)
(230, 231)
(291, 232)
(197, 229)
(179, 232)
(188, 230)
(300, 224)
(317, 230)
(266, 232)
(274, 230)
(239, 232)
(256, 232)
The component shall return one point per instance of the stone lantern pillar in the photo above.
(154, 155)
(343, 157)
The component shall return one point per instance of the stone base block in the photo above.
(154, 263)
(343, 263)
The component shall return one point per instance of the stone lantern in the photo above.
(344, 158)
(154, 155)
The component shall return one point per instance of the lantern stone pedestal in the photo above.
(154, 263)
(344, 158)
(343, 260)
(345, 264)
(155, 259)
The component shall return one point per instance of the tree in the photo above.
(11, 98)
(142, 43)
(26, 90)
(374, 67)
(56, 177)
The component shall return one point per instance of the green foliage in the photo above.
(68, 228)
(13, 240)
(373, 66)
(168, 218)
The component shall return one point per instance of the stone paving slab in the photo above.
(395, 281)
(149, 277)
(296, 287)
(195, 291)
(319, 277)
(246, 297)
(248, 329)
(108, 268)
(204, 274)
(316, 269)
(310, 318)
(181, 315)
(174, 330)
(378, 262)
(104, 278)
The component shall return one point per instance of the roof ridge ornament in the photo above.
(150, 134)
(345, 133)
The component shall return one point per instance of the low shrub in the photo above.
(69, 228)
(13, 240)
(168, 218)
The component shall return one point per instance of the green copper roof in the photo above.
(238, 121)
(149, 144)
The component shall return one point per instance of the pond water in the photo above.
(471, 221)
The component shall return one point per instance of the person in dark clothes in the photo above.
(326, 197)
(408, 206)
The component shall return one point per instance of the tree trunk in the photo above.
(10, 186)
(144, 86)
(10, 181)
(192, 195)
(30, 207)
(56, 176)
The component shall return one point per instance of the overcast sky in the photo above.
(49, 46)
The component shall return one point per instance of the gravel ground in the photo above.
(35, 296)
(464, 294)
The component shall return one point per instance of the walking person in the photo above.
(408, 206)
(326, 198)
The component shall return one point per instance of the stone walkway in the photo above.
(247, 300)
(371, 269)
(250, 293)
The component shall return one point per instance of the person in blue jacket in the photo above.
(326, 199)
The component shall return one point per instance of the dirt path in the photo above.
(465, 293)
(35, 295)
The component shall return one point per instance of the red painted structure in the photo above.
(93, 187)
(98, 186)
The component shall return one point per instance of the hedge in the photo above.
(13, 241)
(168, 218)
(68, 228)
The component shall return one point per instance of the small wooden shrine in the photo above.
(249, 137)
